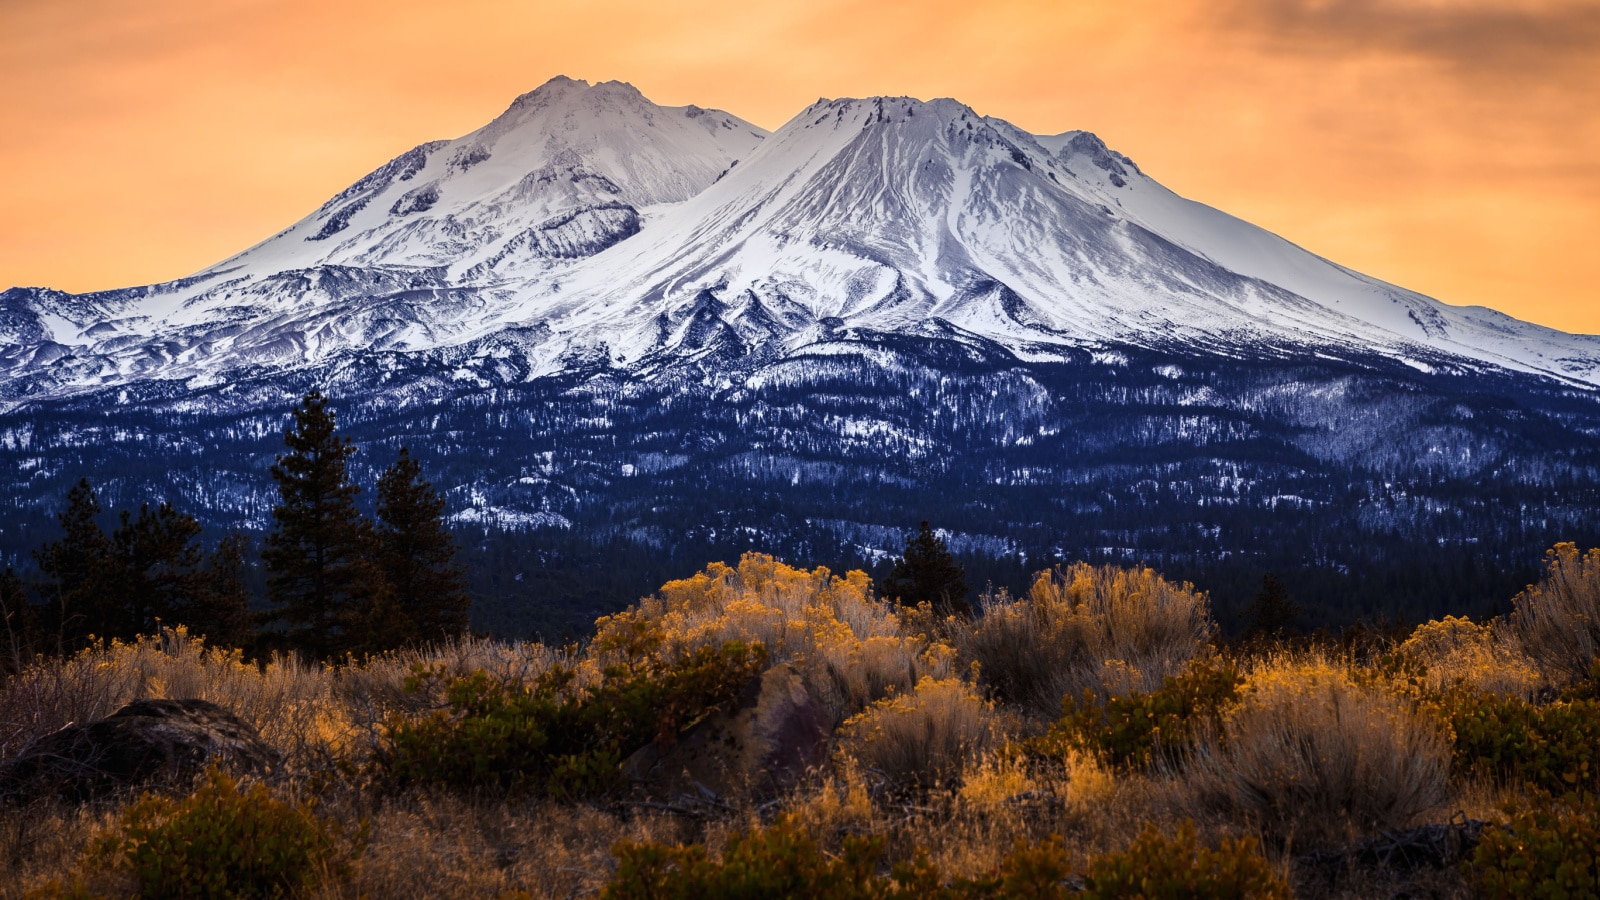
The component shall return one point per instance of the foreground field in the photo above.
(761, 730)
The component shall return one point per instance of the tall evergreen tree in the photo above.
(320, 574)
(78, 588)
(927, 572)
(418, 555)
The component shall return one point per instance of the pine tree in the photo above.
(155, 568)
(320, 574)
(418, 555)
(19, 624)
(78, 589)
(1271, 613)
(928, 573)
(221, 612)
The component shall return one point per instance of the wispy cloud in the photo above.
(1507, 40)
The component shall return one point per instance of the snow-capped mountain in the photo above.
(663, 326)
(594, 225)
(405, 258)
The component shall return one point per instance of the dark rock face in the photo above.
(779, 730)
(1402, 852)
(148, 743)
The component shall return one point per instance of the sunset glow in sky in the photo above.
(1449, 146)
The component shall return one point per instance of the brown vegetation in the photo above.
(950, 750)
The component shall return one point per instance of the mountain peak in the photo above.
(559, 85)
(883, 109)
(562, 92)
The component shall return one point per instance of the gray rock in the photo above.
(148, 743)
(778, 730)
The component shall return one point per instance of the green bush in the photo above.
(782, 861)
(1130, 731)
(1156, 866)
(554, 738)
(1555, 748)
(1552, 851)
(225, 842)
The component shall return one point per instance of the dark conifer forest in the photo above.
(1369, 492)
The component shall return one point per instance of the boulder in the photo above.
(148, 743)
(778, 729)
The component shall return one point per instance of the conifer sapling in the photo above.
(417, 554)
(928, 573)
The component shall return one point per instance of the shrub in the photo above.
(1558, 619)
(830, 628)
(1156, 866)
(1555, 748)
(222, 841)
(922, 738)
(1551, 851)
(1457, 652)
(1308, 754)
(783, 862)
(554, 736)
(776, 862)
(1102, 630)
(1130, 732)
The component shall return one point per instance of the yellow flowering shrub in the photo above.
(1558, 619)
(1311, 755)
(1458, 652)
(923, 737)
(832, 628)
(994, 780)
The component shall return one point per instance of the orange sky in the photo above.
(1450, 146)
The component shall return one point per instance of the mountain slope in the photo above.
(891, 214)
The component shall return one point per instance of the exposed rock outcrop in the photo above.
(148, 743)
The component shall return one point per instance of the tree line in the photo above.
(337, 581)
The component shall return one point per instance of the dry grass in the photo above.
(294, 705)
(442, 846)
(1558, 619)
(314, 714)
(1313, 757)
(1002, 799)
(1102, 630)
